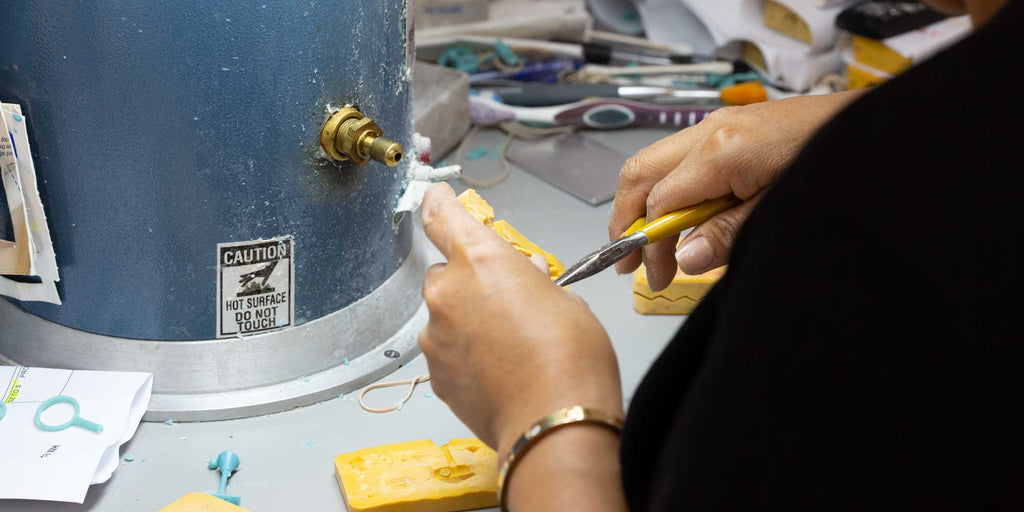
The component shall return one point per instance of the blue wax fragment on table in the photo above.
(129, 457)
(168, 422)
(18, 118)
(345, 362)
(477, 153)
(341, 396)
(212, 463)
(309, 444)
(428, 395)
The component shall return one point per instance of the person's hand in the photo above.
(736, 150)
(504, 345)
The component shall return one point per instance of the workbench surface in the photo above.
(288, 458)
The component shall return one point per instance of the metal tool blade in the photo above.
(602, 258)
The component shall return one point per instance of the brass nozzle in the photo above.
(349, 135)
(384, 150)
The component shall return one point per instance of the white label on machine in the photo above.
(255, 286)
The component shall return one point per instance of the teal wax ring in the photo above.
(76, 420)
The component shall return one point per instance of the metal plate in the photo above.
(585, 168)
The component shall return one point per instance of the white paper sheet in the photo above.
(39, 230)
(17, 258)
(32, 253)
(60, 466)
(922, 43)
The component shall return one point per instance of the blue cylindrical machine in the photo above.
(162, 131)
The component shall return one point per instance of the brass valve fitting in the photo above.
(349, 135)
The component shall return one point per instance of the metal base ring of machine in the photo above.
(250, 376)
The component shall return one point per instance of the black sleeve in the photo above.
(863, 350)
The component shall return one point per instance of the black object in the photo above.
(597, 53)
(604, 54)
(863, 351)
(881, 20)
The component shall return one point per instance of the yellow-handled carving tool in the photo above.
(642, 233)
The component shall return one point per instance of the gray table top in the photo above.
(288, 458)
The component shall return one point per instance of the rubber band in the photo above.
(412, 387)
(515, 131)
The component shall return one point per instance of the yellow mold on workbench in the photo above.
(679, 298)
(484, 213)
(419, 476)
(201, 502)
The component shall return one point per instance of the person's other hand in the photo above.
(736, 150)
(504, 345)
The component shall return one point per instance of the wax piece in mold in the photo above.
(419, 476)
(484, 213)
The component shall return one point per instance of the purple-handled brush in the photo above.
(592, 113)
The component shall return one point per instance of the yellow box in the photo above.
(859, 78)
(679, 298)
(201, 502)
(875, 54)
(419, 476)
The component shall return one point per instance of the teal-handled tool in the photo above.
(642, 233)
(75, 421)
(227, 462)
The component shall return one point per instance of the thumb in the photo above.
(709, 244)
(541, 264)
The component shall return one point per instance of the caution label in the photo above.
(255, 286)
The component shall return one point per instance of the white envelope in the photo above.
(60, 466)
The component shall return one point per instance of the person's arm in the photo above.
(506, 347)
(737, 150)
(576, 468)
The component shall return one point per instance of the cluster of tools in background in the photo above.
(542, 70)
(537, 68)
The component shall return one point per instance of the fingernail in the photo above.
(694, 256)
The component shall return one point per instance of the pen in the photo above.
(546, 95)
(595, 53)
(541, 71)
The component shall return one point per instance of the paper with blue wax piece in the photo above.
(60, 466)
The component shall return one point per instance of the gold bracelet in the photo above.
(548, 424)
